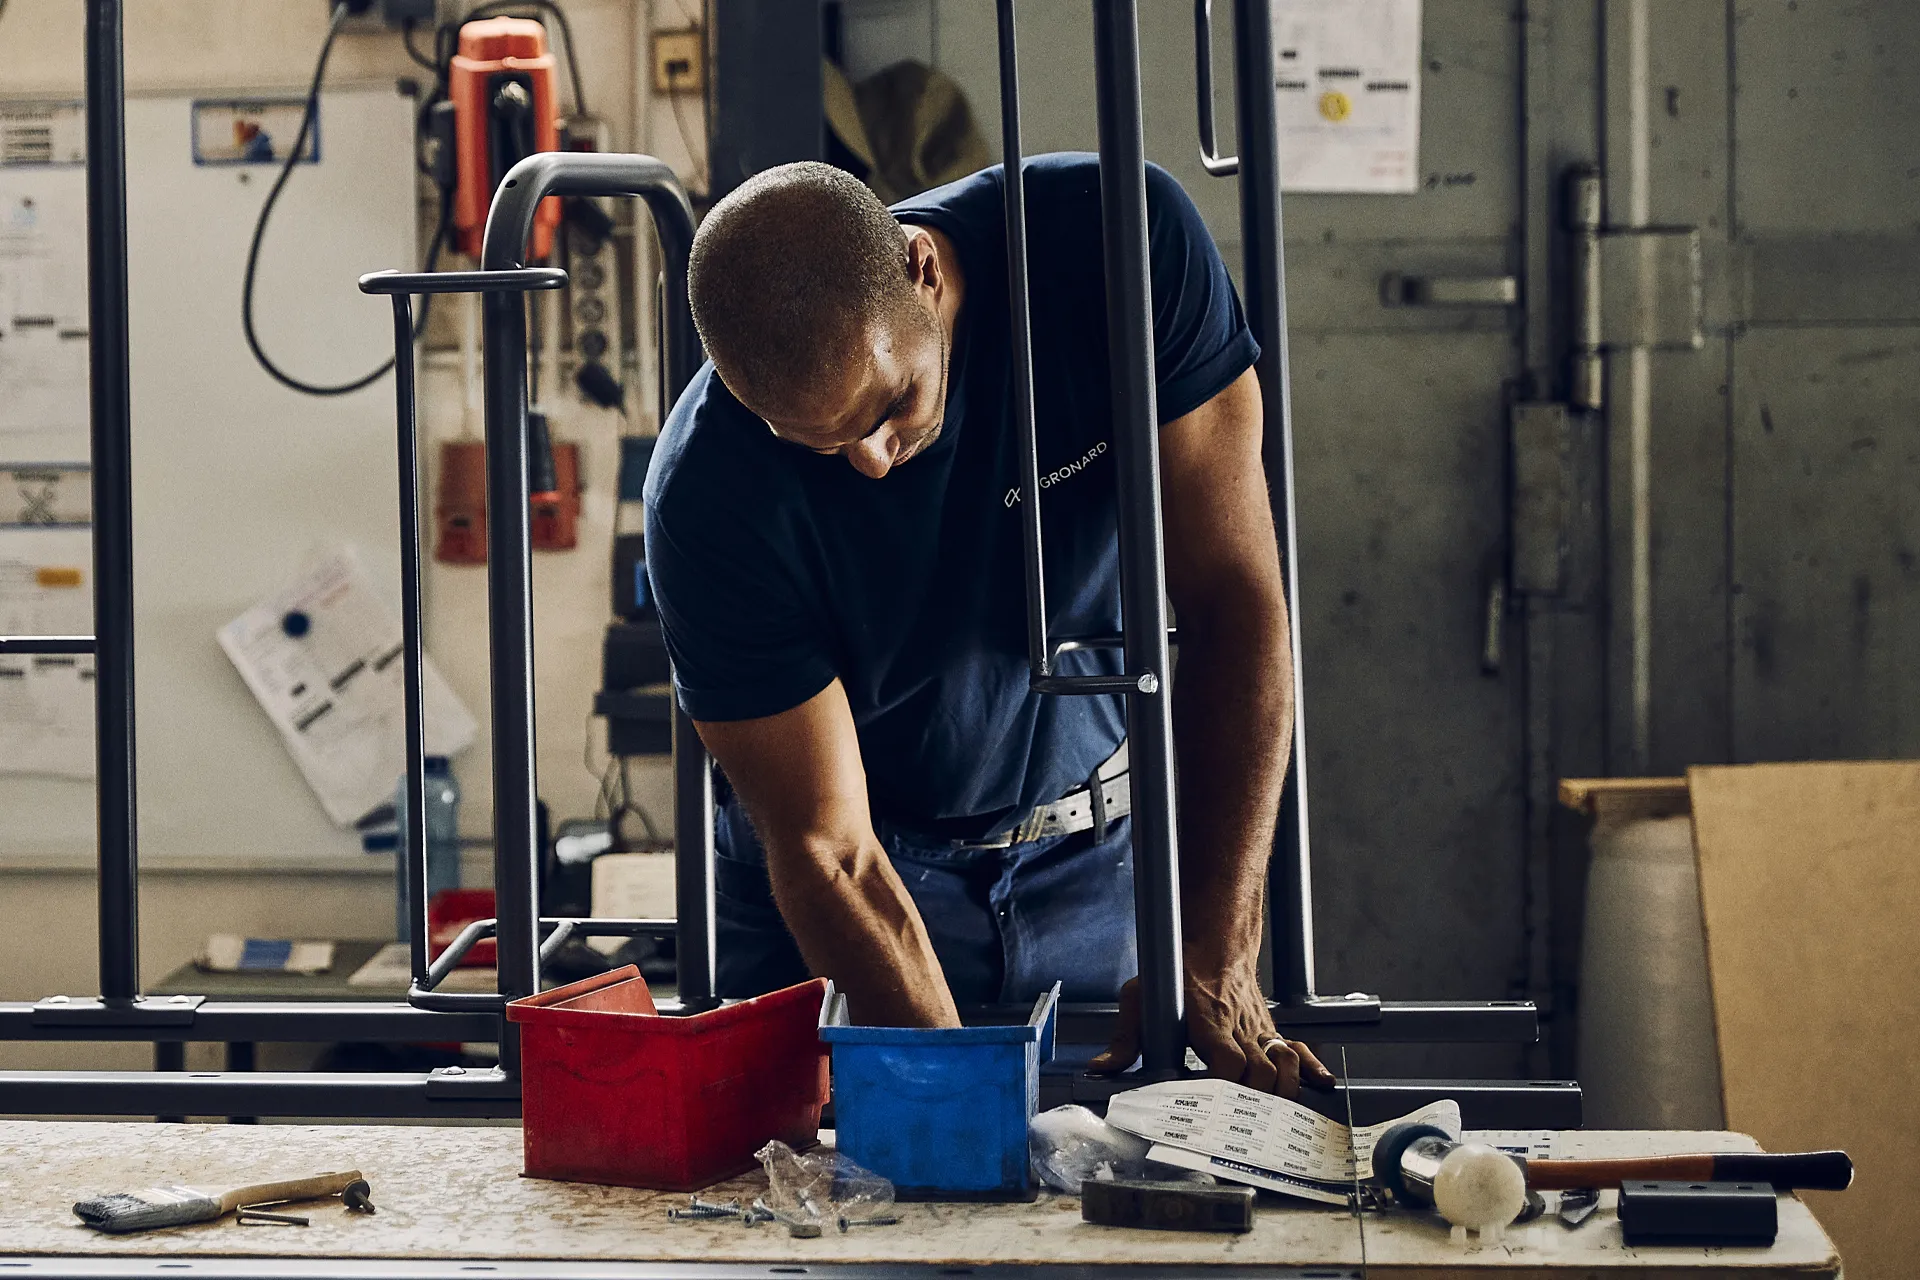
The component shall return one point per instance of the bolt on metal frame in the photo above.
(121, 1013)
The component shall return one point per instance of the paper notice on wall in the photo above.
(1256, 1138)
(323, 657)
(43, 283)
(46, 700)
(1347, 81)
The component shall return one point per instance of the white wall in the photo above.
(194, 46)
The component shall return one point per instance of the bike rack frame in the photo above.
(122, 1013)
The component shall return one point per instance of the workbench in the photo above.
(451, 1203)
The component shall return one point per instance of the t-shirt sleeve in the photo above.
(743, 645)
(1200, 335)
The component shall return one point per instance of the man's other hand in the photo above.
(1229, 1027)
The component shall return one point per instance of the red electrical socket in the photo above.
(460, 509)
(556, 519)
(460, 512)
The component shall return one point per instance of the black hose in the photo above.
(340, 11)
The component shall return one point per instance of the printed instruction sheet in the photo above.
(1258, 1139)
(46, 700)
(1347, 83)
(323, 657)
(43, 283)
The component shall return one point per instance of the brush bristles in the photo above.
(145, 1210)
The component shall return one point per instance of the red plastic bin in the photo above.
(613, 1092)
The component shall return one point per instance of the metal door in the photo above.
(1779, 491)
(1413, 685)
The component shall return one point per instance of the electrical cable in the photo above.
(406, 38)
(699, 162)
(340, 12)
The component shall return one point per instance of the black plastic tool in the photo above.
(1167, 1206)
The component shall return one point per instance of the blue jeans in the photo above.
(1006, 923)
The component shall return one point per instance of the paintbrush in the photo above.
(178, 1206)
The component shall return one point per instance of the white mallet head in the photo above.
(1479, 1187)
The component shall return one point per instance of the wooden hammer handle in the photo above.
(314, 1188)
(1565, 1175)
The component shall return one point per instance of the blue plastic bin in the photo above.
(943, 1113)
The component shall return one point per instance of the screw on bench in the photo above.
(846, 1222)
(358, 1196)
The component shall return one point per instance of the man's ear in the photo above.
(923, 264)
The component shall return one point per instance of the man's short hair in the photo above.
(788, 273)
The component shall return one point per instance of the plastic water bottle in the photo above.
(443, 838)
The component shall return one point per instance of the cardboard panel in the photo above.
(1810, 886)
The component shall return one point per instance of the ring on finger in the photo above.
(1266, 1046)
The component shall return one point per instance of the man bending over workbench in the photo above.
(834, 542)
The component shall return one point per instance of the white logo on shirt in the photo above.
(1064, 473)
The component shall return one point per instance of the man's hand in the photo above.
(1229, 1027)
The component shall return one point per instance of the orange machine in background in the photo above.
(501, 86)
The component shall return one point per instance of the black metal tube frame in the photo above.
(112, 461)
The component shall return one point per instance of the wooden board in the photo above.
(1585, 795)
(457, 1193)
(1810, 885)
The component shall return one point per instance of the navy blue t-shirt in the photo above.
(776, 569)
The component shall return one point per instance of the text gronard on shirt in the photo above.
(1064, 473)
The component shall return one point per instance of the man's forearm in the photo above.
(1233, 726)
(851, 915)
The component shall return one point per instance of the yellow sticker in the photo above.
(51, 577)
(1335, 105)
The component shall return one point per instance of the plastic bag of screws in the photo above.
(822, 1187)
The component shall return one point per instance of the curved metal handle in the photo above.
(523, 280)
(1216, 164)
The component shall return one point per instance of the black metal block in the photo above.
(1699, 1213)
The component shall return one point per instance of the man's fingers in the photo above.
(1285, 1064)
(1259, 1073)
(1125, 1045)
(1312, 1071)
(1225, 1061)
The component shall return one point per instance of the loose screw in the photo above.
(846, 1222)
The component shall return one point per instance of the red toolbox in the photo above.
(613, 1092)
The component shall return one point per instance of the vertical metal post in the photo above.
(1039, 651)
(696, 942)
(1143, 600)
(1264, 286)
(413, 845)
(510, 633)
(112, 503)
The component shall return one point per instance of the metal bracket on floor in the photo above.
(89, 1011)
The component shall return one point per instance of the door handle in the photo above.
(1211, 160)
(1400, 290)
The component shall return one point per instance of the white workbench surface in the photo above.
(450, 1194)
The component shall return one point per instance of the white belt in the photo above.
(1105, 799)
